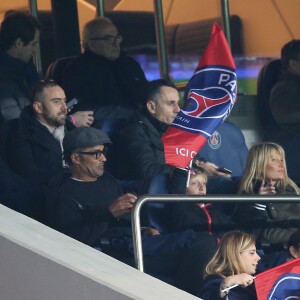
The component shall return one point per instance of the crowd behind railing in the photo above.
(81, 169)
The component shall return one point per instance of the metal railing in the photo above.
(136, 210)
(32, 4)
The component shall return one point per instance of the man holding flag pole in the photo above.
(160, 138)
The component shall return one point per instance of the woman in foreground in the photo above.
(234, 263)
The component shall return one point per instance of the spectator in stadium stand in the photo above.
(103, 78)
(234, 263)
(285, 95)
(88, 205)
(266, 174)
(19, 35)
(35, 150)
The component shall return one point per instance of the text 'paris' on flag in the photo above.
(281, 282)
(209, 97)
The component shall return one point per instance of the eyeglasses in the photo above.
(110, 39)
(97, 153)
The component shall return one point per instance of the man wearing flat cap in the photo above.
(91, 199)
(89, 206)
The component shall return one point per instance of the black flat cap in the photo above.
(83, 137)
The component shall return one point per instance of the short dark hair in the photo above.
(153, 88)
(291, 50)
(294, 239)
(17, 24)
(39, 87)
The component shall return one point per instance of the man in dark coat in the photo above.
(35, 150)
(141, 151)
(88, 205)
(285, 95)
(103, 78)
(19, 34)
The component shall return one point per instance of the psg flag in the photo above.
(209, 97)
(281, 282)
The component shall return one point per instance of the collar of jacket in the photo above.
(160, 126)
(100, 59)
(285, 75)
(11, 67)
(144, 116)
(32, 129)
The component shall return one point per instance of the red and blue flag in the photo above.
(209, 97)
(281, 282)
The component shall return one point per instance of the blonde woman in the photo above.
(266, 174)
(234, 263)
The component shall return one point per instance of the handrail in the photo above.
(37, 57)
(181, 86)
(160, 39)
(100, 8)
(135, 215)
(226, 20)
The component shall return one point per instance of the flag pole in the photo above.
(189, 174)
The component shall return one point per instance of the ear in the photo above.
(90, 44)
(38, 107)
(151, 107)
(75, 158)
(18, 43)
(292, 64)
(293, 252)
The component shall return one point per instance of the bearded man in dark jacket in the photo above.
(103, 78)
(35, 150)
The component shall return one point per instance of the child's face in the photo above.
(197, 185)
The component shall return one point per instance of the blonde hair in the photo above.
(195, 170)
(93, 27)
(256, 164)
(228, 261)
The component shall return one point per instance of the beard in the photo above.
(55, 120)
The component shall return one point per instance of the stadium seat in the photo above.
(267, 78)
(8, 132)
(22, 195)
(56, 69)
(155, 214)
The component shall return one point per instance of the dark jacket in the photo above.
(211, 290)
(141, 151)
(285, 106)
(285, 101)
(97, 81)
(199, 217)
(276, 221)
(80, 209)
(33, 152)
(14, 85)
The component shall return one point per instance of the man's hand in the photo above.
(212, 169)
(83, 118)
(122, 205)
